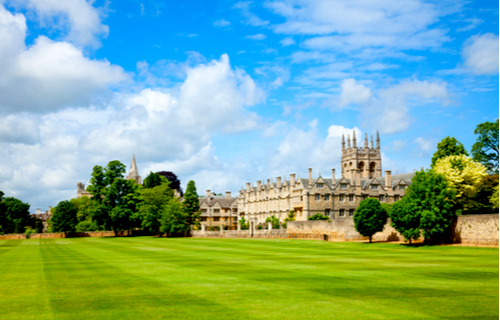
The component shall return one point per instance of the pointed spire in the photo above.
(354, 145)
(378, 141)
(134, 172)
(366, 140)
(343, 142)
(371, 141)
(349, 141)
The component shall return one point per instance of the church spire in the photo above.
(366, 140)
(378, 141)
(371, 141)
(349, 141)
(134, 172)
(354, 139)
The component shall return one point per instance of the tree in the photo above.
(122, 199)
(494, 198)
(244, 223)
(275, 222)
(463, 174)
(152, 205)
(191, 204)
(370, 217)
(153, 180)
(14, 215)
(290, 217)
(480, 201)
(174, 218)
(449, 146)
(318, 216)
(114, 170)
(98, 183)
(485, 150)
(64, 217)
(175, 183)
(404, 219)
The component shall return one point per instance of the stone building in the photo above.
(337, 198)
(219, 210)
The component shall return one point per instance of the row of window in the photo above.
(225, 219)
(344, 186)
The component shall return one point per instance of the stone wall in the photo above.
(480, 229)
(13, 236)
(267, 234)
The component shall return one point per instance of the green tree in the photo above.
(97, 187)
(275, 222)
(114, 170)
(244, 223)
(318, 216)
(122, 198)
(191, 204)
(174, 219)
(494, 198)
(153, 180)
(64, 217)
(370, 217)
(152, 205)
(14, 215)
(449, 146)
(404, 219)
(290, 217)
(485, 150)
(479, 202)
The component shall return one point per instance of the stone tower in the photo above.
(366, 160)
(134, 172)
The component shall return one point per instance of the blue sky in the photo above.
(225, 92)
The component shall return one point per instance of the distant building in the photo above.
(219, 210)
(43, 216)
(334, 197)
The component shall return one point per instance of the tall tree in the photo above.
(174, 220)
(122, 199)
(154, 202)
(485, 150)
(405, 220)
(153, 180)
(98, 183)
(449, 146)
(175, 183)
(14, 215)
(191, 204)
(370, 217)
(64, 217)
(114, 170)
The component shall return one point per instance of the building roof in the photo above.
(224, 202)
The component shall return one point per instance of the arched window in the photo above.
(373, 167)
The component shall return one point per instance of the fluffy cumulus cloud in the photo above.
(480, 54)
(78, 19)
(388, 109)
(166, 129)
(47, 75)
(350, 25)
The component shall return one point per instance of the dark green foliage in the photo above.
(244, 224)
(14, 215)
(370, 217)
(38, 225)
(97, 187)
(485, 150)
(480, 203)
(86, 225)
(122, 197)
(275, 222)
(114, 170)
(153, 180)
(449, 146)
(191, 204)
(175, 183)
(153, 203)
(174, 219)
(318, 216)
(404, 219)
(64, 217)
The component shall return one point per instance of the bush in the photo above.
(86, 225)
(318, 216)
(29, 231)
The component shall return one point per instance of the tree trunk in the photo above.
(370, 239)
(410, 241)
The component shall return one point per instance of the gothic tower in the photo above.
(134, 172)
(366, 159)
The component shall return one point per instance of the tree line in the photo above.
(15, 216)
(456, 184)
(117, 204)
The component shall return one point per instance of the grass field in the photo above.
(184, 278)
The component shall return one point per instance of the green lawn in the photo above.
(184, 278)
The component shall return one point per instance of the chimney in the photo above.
(310, 177)
(388, 180)
(292, 179)
(333, 177)
(50, 210)
(228, 194)
(38, 211)
(268, 184)
(248, 186)
(278, 182)
(421, 168)
(208, 194)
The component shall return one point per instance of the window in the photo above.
(401, 187)
(374, 187)
(327, 212)
(341, 197)
(396, 198)
(381, 198)
(351, 212)
(316, 197)
(364, 196)
(301, 199)
(217, 211)
(235, 210)
(319, 185)
(351, 197)
(203, 211)
(341, 213)
(235, 219)
(203, 218)
(216, 218)
(327, 197)
(343, 186)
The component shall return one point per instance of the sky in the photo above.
(227, 92)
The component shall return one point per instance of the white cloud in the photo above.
(250, 18)
(257, 37)
(77, 18)
(424, 146)
(285, 42)
(222, 23)
(353, 92)
(48, 75)
(305, 56)
(480, 54)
